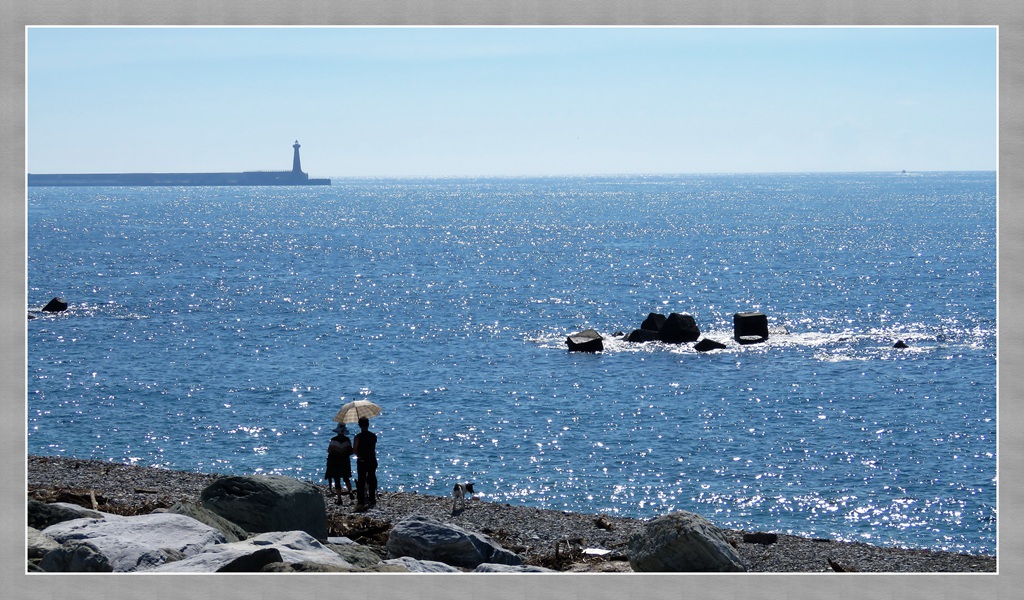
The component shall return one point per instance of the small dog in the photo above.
(459, 493)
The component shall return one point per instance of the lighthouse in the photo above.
(293, 177)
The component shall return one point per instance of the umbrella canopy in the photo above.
(352, 411)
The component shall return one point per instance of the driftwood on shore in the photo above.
(548, 538)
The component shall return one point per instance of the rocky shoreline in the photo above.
(562, 541)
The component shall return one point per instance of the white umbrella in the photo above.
(353, 411)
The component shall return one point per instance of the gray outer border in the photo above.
(19, 14)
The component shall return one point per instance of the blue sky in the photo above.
(369, 102)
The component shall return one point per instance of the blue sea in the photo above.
(219, 329)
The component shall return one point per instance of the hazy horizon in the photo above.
(442, 102)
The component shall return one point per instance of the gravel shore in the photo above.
(548, 538)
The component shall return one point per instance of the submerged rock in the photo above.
(706, 345)
(55, 305)
(639, 336)
(585, 341)
(679, 328)
(653, 322)
(750, 327)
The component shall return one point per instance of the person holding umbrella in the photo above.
(339, 462)
(365, 448)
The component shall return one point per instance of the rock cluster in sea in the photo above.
(676, 328)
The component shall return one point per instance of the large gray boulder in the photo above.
(252, 563)
(682, 542)
(424, 538)
(43, 514)
(139, 542)
(76, 556)
(493, 568)
(39, 544)
(265, 503)
(308, 567)
(413, 565)
(359, 556)
(231, 531)
(292, 546)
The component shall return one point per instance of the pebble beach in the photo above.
(564, 541)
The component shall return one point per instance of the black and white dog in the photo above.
(459, 493)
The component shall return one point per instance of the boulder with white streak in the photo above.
(139, 542)
(292, 546)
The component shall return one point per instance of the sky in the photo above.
(511, 101)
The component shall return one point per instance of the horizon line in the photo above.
(550, 175)
(665, 174)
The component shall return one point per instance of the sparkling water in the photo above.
(219, 329)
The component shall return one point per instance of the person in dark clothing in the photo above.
(339, 462)
(365, 448)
